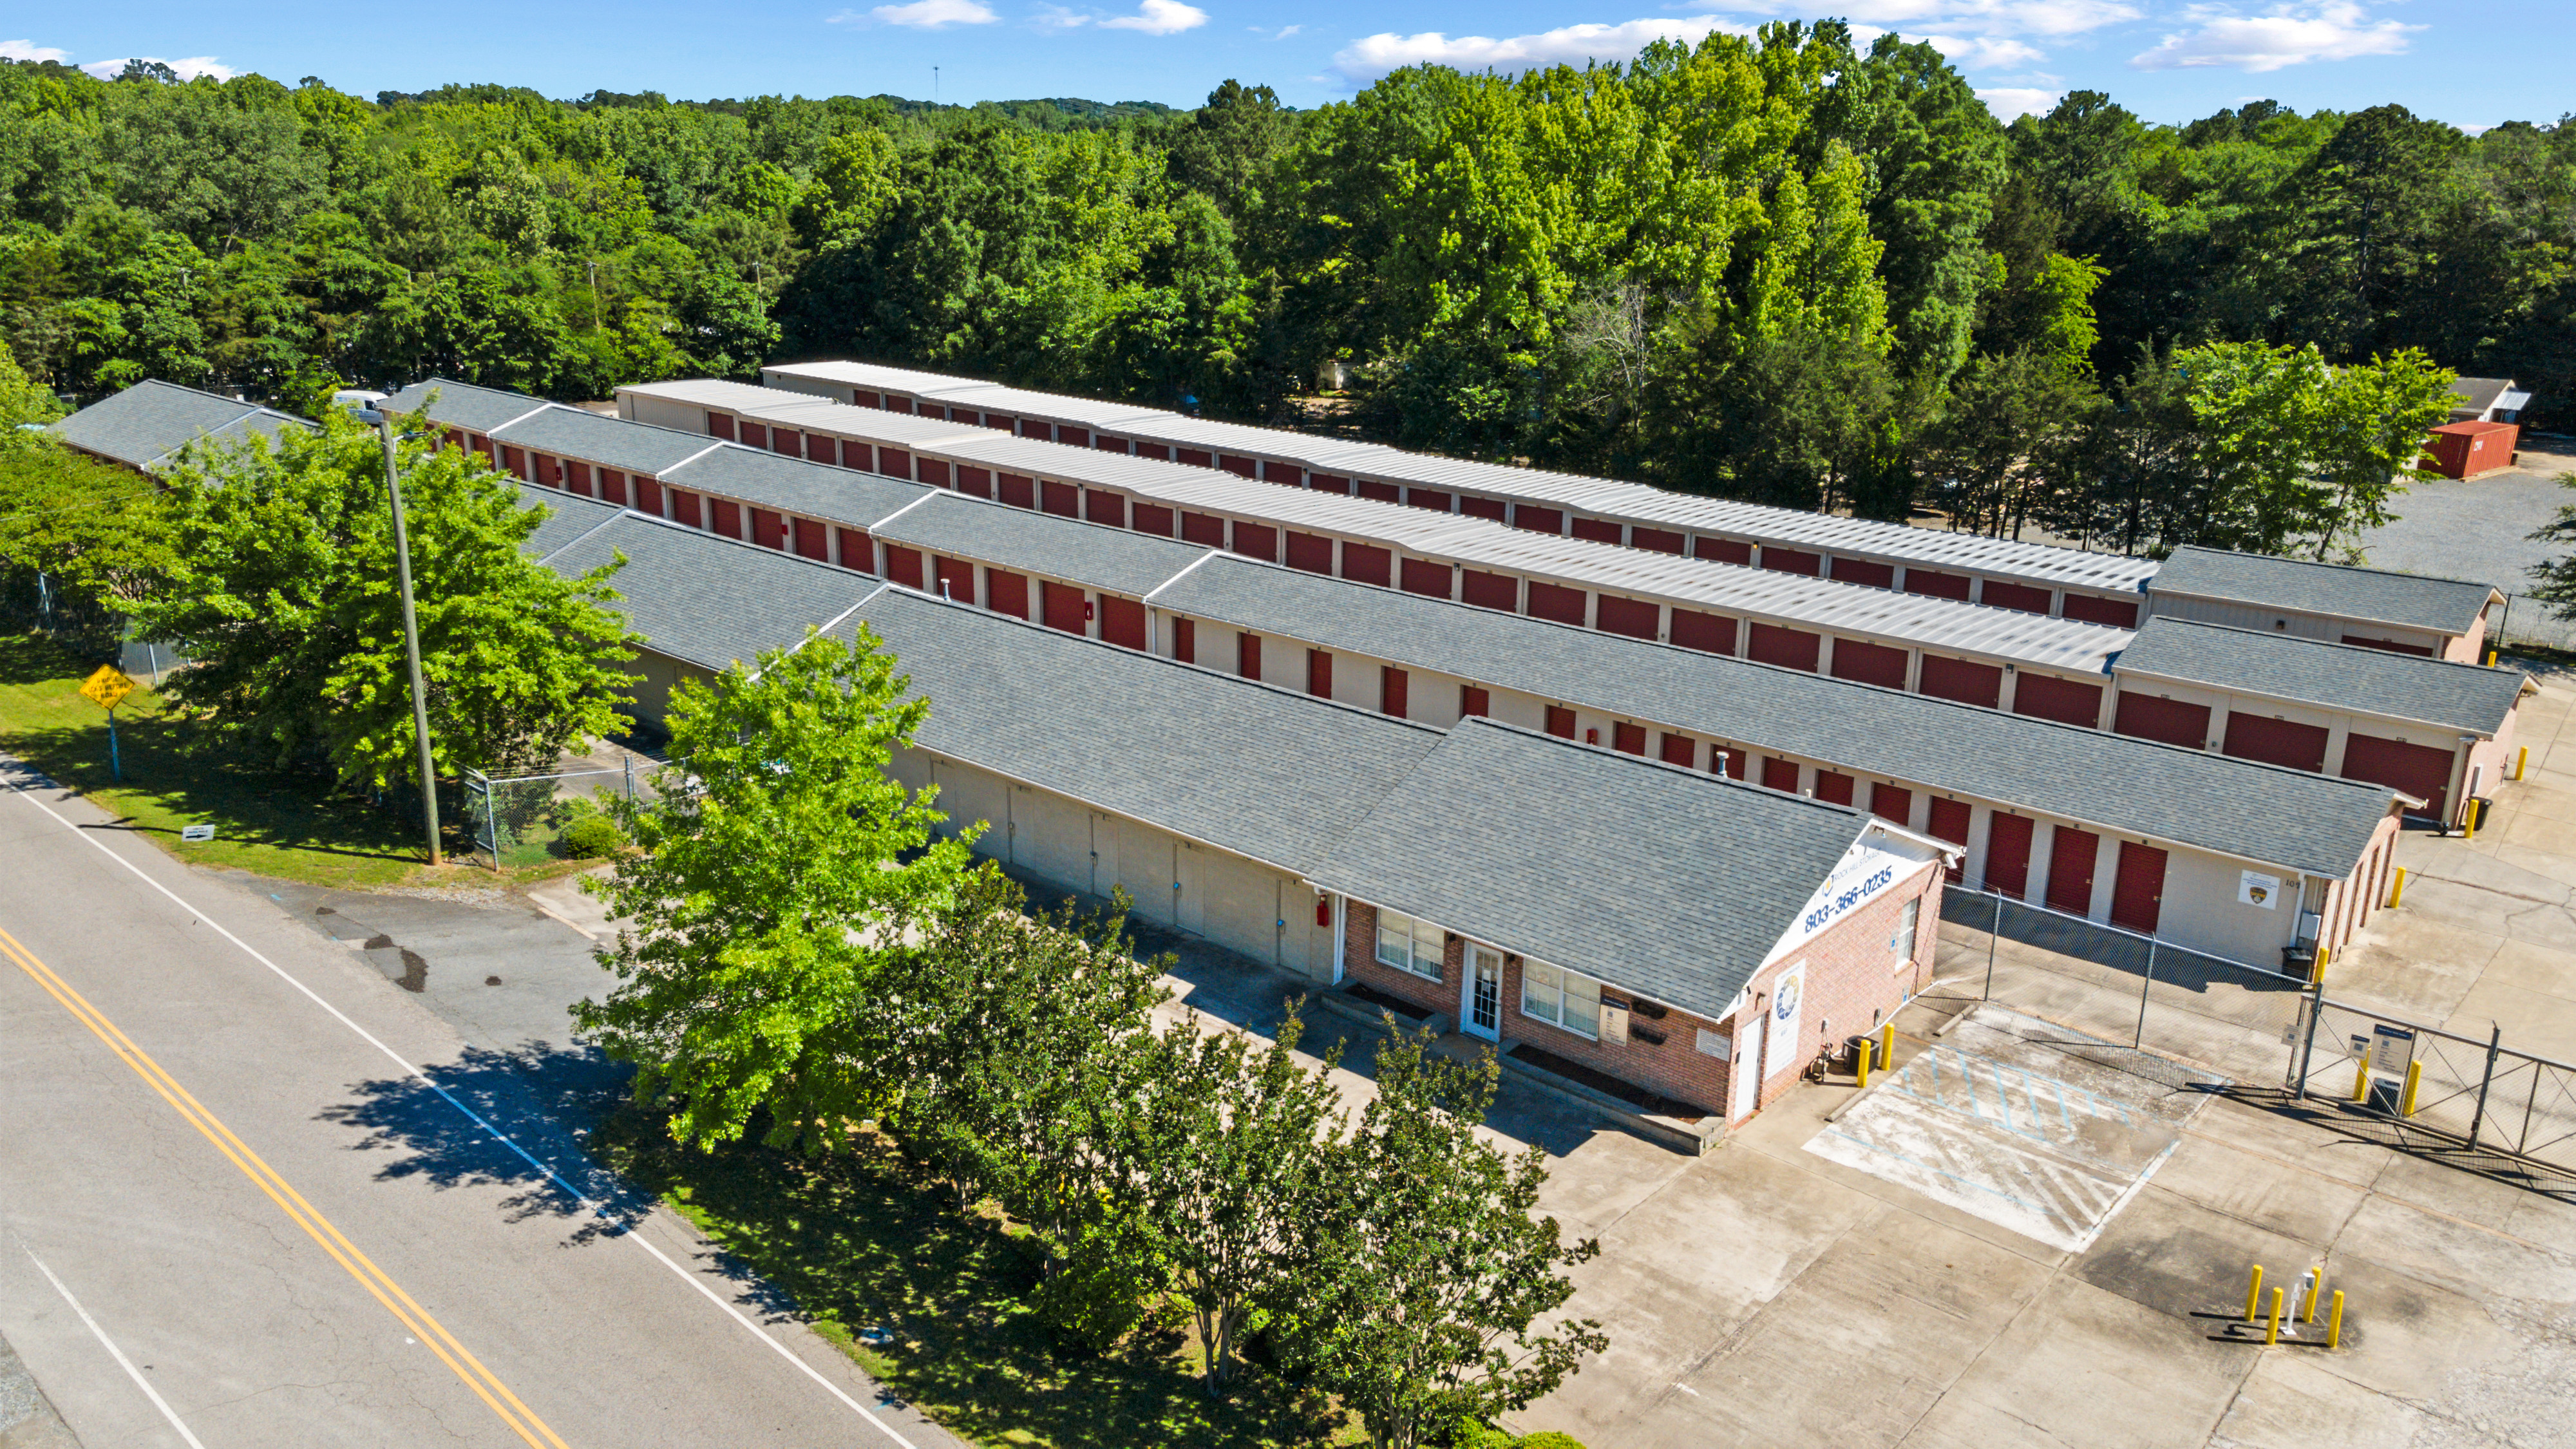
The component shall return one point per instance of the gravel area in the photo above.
(2475, 530)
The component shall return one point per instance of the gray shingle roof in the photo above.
(1540, 853)
(1246, 767)
(1087, 553)
(2445, 606)
(792, 485)
(568, 517)
(2310, 671)
(152, 419)
(709, 600)
(463, 405)
(610, 442)
(2236, 807)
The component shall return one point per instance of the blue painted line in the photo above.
(1938, 1172)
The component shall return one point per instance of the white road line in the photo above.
(416, 1074)
(116, 1353)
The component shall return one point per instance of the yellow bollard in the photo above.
(2272, 1330)
(2334, 1324)
(1861, 1063)
(2521, 758)
(1887, 1045)
(2361, 1080)
(2491, 658)
(2397, 888)
(2414, 1079)
(2316, 1281)
(2254, 1293)
(2469, 820)
(2317, 967)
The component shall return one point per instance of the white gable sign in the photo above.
(1875, 865)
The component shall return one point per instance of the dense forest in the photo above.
(1777, 268)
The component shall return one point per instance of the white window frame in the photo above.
(1414, 930)
(1908, 929)
(1530, 971)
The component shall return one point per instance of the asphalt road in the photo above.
(258, 1188)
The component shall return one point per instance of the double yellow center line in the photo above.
(415, 1320)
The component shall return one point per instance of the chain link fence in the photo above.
(2269, 1030)
(523, 820)
(2527, 621)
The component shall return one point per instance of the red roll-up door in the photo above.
(1247, 655)
(1185, 640)
(1073, 437)
(1492, 508)
(1707, 632)
(1382, 492)
(1948, 820)
(2045, 696)
(1122, 621)
(1934, 584)
(1422, 576)
(977, 482)
(1257, 540)
(1319, 673)
(2071, 854)
(1062, 499)
(1430, 498)
(821, 449)
(684, 508)
(933, 471)
(999, 423)
(2276, 741)
(856, 551)
(1869, 663)
(2153, 717)
(1006, 593)
(1628, 739)
(1326, 483)
(2001, 595)
(1598, 530)
(1791, 561)
(1490, 591)
(1394, 690)
(1538, 520)
(720, 425)
(752, 435)
(1835, 787)
(2094, 609)
(1475, 701)
(1729, 760)
(894, 462)
(812, 540)
(1947, 678)
(724, 516)
(1192, 457)
(612, 486)
(768, 529)
(1310, 552)
(1636, 618)
(2138, 891)
(1723, 550)
(897, 403)
(1781, 775)
(1154, 520)
(2008, 854)
(1655, 540)
(1107, 444)
(2415, 769)
(1680, 750)
(1555, 601)
(1560, 721)
(1239, 467)
(861, 456)
(866, 400)
(1156, 451)
(1891, 803)
(2391, 645)
(1109, 508)
(1864, 573)
(1066, 610)
(1788, 648)
(1203, 528)
(783, 441)
(953, 577)
(1015, 490)
(903, 566)
(1366, 563)
(648, 495)
(576, 478)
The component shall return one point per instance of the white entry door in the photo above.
(1483, 1008)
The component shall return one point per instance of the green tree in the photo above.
(2554, 580)
(279, 584)
(777, 877)
(1421, 1268)
(2367, 435)
(2003, 449)
(92, 527)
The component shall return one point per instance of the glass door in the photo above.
(1485, 992)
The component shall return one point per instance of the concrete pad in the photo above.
(2253, 1189)
(2294, 1402)
(2450, 1252)
(2404, 1336)
(2534, 968)
(1590, 1189)
(2069, 1371)
(565, 900)
(2289, 1146)
(2186, 1261)
(2533, 1021)
(2461, 865)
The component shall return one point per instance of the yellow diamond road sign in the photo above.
(107, 687)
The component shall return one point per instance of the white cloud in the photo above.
(1366, 59)
(922, 15)
(1282, 33)
(30, 50)
(2002, 17)
(1159, 17)
(2010, 102)
(1984, 52)
(1056, 17)
(2288, 35)
(189, 69)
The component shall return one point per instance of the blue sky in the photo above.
(2169, 60)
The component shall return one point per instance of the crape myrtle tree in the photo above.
(278, 582)
(781, 879)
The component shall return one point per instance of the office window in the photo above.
(1569, 1000)
(1409, 945)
